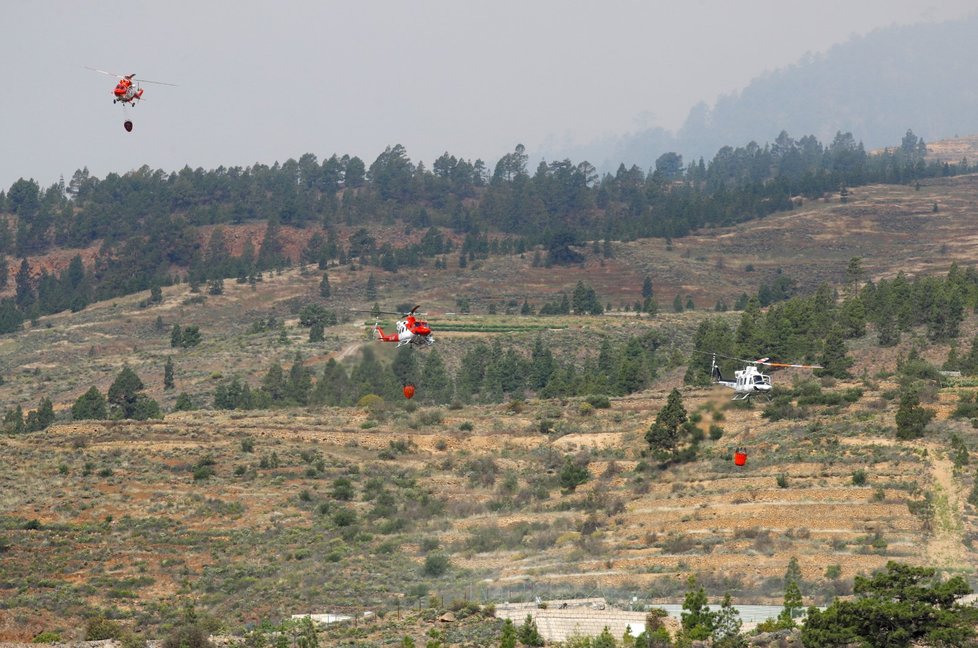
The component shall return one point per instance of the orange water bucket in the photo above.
(740, 458)
(408, 391)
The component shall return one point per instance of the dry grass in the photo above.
(125, 527)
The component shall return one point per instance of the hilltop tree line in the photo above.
(148, 220)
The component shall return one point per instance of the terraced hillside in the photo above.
(246, 515)
(257, 515)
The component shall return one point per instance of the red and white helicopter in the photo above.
(410, 330)
(127, 91)
(749, 381)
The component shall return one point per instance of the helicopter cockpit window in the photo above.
(758, 380)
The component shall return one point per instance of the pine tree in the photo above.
(405, 366)
(969, 363)
(677, 304)
(663, 436)
(274, 385)
(13, 420)
(126, 398)
(438, 386)
(333, 387)
(300, 382)
(727, 624)
(45, 413)
(793, 604)
(317, 332)
(508, 636)
(125, 387)
(542, 365)
(528, 634)
(324, 288)
(25, 297)
(911, 417)
(176, 336)
(698, 622)
(168, 373)
(370, 292)
(90, 405)
(887, 329)
(835, 360)
(647, 292)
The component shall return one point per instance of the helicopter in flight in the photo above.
(127, 91)
(750, 381)
(410, 330)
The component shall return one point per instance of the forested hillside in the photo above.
(150, 228)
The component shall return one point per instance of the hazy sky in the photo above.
(266, 81)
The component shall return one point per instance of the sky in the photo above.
(260, 82)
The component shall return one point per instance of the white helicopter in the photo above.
(750, 381)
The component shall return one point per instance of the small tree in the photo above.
(573, 474)
(898, 607)
(528, 634)
(370, 292)
(13, 420)
(727, 625)
(911, 417)
(184, 403)
(127, 401)
(697, 620)
(508, 636)
(42, 417)
(191, 337)
(168, 373)
(317, 332)
(436, 564)
(664, 435)
(90, 405)
(834, 360)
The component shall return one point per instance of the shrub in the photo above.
(599, 402)
(343, 489)
(187, 636)
(436, 564)
(184, 403)
(99, 628)
(371, 402)
(48, 637)
(782, 480)
(344, 517)
(573, 474)
(859, 477)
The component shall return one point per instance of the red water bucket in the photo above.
(408, 391)
(740, 458)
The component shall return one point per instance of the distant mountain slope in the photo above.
(876, 86)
